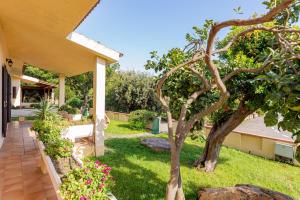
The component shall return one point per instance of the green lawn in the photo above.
(121, 127)
(140, 173)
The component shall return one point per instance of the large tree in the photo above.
(207, 92)
(82, 85)
(129, 91)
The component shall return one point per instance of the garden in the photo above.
(140, 173)
(130, 170)
(76, 179)
(253, 69)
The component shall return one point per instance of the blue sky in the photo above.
(137, 27)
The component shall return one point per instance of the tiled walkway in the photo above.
(20, 175)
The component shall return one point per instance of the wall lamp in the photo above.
(9, 62)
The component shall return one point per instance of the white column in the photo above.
(61, 99)
(16, 83)
(99, 105)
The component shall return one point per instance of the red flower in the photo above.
(88, 182)
(97, 162)
(82, 198)
(101, 185)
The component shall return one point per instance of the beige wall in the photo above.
(3, 56)
(117, 116)
(16, 82)
(252, 144)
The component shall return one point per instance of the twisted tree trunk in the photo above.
(209, 158)
(174, 187)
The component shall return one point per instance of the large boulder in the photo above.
(156, 144)
(241, 192)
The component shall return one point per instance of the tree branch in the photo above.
(219, 82)
(236, 22)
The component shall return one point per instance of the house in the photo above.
(41, 33)
(26, 91)
(254, 137)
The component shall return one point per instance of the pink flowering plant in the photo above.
(90, 182)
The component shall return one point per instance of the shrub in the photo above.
(49, 130)
(140, 118)
(75, 103)
(46, 109)
(74, 111)
(64, 107)
(59, 148)
(46, 130)
(69, 109)
(89, 182)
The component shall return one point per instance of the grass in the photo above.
(140, 173)
(122, 128)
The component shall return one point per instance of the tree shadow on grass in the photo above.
(127, 126)
(133, 171)
(124, 126)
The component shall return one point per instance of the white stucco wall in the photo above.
(3, 56)
(16, 82)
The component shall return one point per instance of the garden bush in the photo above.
(88, 182)
(59, 148)
(139, 119)
(49, 128)
(75, 103)
(45, 109)
(49, 132)
(69, 109)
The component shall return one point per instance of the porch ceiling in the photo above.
(36, 33)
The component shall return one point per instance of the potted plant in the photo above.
(71, 113)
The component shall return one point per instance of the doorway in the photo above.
(6, 99)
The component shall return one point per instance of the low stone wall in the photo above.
(23, 112)
(117, 116)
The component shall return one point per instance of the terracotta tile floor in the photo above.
(20, 175)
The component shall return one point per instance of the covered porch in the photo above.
(27, 91)
(21, 177)
(45, 37)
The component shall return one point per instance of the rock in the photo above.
(239, 192)
(156, 144)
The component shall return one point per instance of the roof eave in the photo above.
(95, 47)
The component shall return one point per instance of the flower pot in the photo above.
(78, 131)
(74, 117)
(47, 167)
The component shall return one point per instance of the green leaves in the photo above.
(129, 91)
(139, 119)
(49, 126)
(92, 181)
(40, 74)
(238, 10)
(271, 118)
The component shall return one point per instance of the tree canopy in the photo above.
(210, 78)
